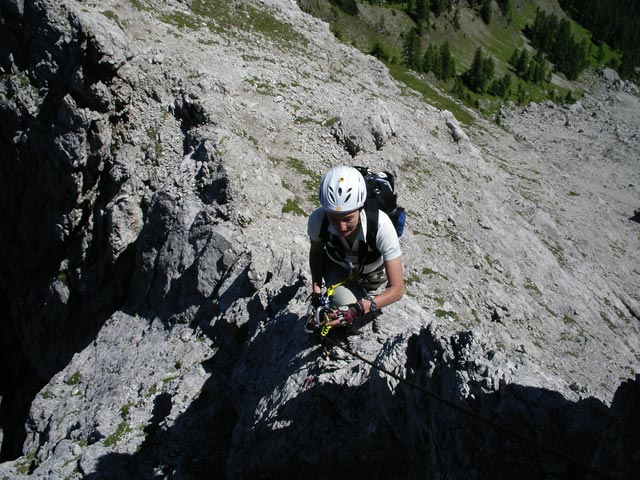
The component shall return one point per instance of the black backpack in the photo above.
(381, 195)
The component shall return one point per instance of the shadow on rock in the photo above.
(257, 416)
(333, 430)
(198, 443)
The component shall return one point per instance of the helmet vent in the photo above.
(331, 195)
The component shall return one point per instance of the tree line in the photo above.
(437, 60)
(419, 10)
(555, 47)
(614, 22)
(553, 36)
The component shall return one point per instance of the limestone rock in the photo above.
(158, 170)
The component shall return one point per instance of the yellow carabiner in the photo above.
(325, 330)
(324, 326)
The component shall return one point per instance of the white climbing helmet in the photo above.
(342, 190)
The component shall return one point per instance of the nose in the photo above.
(343, 226)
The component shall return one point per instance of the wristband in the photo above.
(373, 307)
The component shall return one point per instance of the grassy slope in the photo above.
(387, 26)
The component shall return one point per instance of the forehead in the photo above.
(341, 216)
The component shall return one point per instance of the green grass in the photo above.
(111, 15)
(548, 309)
(440, 313)
(612, 326)
(26, 464)
(530, 285)
(557, 251)
(411, 279)
(137, 4)
(181, 20)
(153, 133)
(526, 15)
(429, 95)
(124, 411)
(228, 17)
(291, 206)
(122, 429)
(312, 180)
(305, 120)
(74, 379)
(428, 271)
(152, 391)
(438, 300)
(329, 122)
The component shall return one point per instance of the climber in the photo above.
(340, 253)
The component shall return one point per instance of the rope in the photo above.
(498, 426)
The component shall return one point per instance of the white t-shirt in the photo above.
(387, 240)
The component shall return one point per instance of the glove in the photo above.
(353, 313)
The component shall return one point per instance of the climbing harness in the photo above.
(498, 426)
(318, 320)
(319, 317)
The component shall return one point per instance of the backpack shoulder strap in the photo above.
(372, 211)
(324, 229)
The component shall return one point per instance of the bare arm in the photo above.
(395, 290)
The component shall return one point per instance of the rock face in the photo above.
(153, 290)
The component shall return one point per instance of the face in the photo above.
(346, 224)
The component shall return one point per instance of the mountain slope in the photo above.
(159, 155)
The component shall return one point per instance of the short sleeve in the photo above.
(314, 224)
(387, 239)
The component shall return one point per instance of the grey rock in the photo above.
(156, 286)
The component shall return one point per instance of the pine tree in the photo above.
(501, 87)
(506, 85)
(506, 7)
(439, 6)
(458, 88)
(379, 51)
(486, 11)
(522, 65)
(456, 19)
(411, 50)
(600, 56)
(422, 9)
(447, 62)
(521, 94)
(487, 71)
(410, 8)
(513, 61)
(554, 37)
(429, 59)
(472, 76)
(347, 6)
(481, 72)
